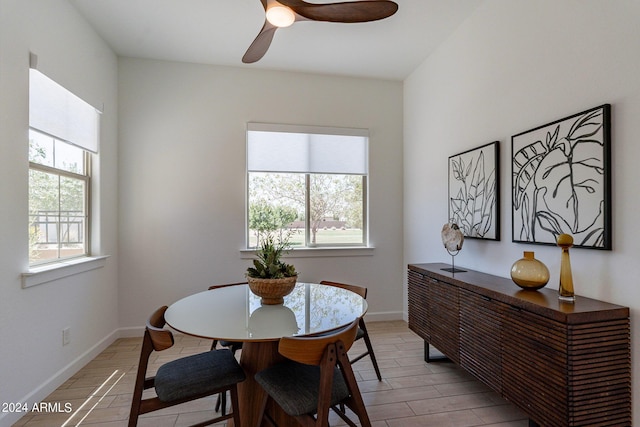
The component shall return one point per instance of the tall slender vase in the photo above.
(565, 241)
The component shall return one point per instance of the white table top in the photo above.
(234, 313)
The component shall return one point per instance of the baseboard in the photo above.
(382, 316)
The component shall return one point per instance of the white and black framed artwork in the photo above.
(561, 181)
(474, 196)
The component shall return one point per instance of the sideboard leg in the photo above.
(428, 358)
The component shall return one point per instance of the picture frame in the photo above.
(474, 191)
(561, 181)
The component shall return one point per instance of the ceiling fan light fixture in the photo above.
(280, 16)
(283, 13)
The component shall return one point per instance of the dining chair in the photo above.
(234, 346)
(316, 377)
(185, 379)
(362, 327)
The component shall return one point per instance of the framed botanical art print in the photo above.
(561, 181)
(474, 196)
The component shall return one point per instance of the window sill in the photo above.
(322, 252)
(59, 270)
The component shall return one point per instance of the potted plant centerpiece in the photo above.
(270, 278)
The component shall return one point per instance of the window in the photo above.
(63, 130)
(307, 183)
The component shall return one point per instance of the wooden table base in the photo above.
(256, 356)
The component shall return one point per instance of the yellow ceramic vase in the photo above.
(529, 273)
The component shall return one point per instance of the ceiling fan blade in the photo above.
(354, 11)
(261, 44)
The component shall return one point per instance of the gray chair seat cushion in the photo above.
(196, 375)
(295, 386)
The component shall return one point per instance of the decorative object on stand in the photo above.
(283, 13)
(270, 278)
(529, 273)
(561, 181)
(452, 239)
(565, 241)
(474, 191)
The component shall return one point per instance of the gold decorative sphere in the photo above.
(565, 240)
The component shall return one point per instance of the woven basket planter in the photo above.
(272, 291)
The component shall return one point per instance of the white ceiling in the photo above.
(220, 31)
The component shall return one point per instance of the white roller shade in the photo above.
(298, 149)
(56, 111)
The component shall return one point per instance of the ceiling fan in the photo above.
(283, 13)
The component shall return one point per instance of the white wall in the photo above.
(510, 67)
(33, 361)
(182, 176)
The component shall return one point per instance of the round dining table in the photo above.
(234, 313)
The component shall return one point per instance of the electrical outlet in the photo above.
(66, 337)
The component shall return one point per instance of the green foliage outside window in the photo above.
(57, 199)
(278, 202)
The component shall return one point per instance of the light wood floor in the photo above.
(412, 392)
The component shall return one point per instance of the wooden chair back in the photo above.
(310, 349)
(161, 338)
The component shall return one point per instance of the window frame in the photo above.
(308, 246)
(86, 179)
(57, 113)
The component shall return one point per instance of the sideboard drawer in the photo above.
(481, 337)
(444, 320)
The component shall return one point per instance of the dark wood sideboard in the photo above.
(563, 364)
